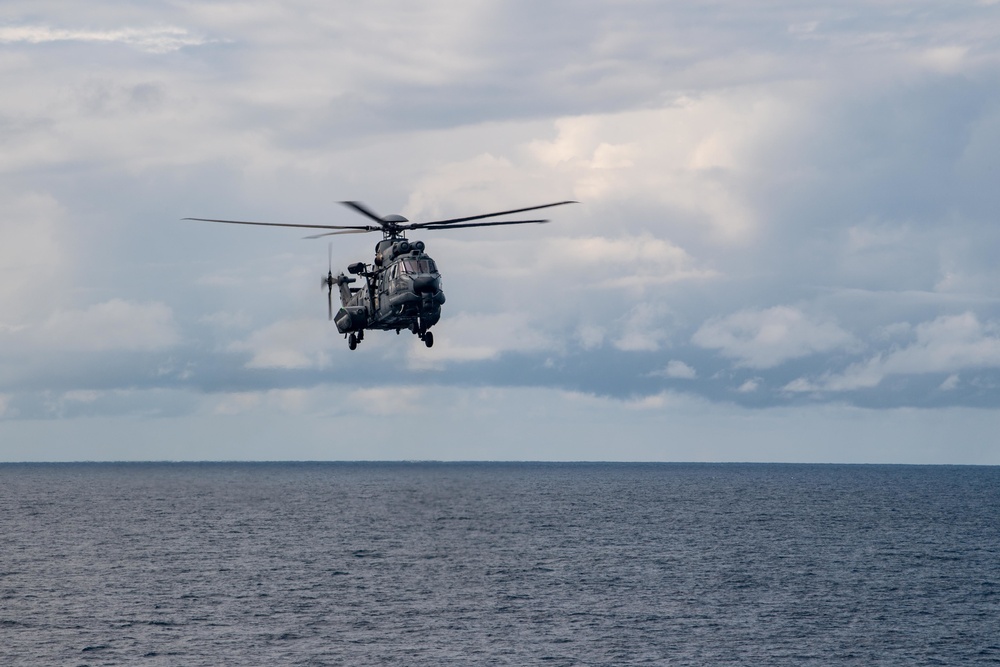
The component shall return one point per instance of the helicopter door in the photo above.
(387, 278)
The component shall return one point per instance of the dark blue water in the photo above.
(498, 564)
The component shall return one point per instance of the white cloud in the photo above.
(574, 264)
(82, 396)
(767, 338)
(468, 337)
(288, 344)
(152, 39)
(800, 385)
(590, 336)
(114, 325)
(627, 261)
(680, 156)
(644, 329)
(950, 383)
(947, 344)
(946, 59)
(677, 370)
(664, 400)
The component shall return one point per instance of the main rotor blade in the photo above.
(366, 228)
(427, 225)
(492, 215)
(346, 231)
(360, 208)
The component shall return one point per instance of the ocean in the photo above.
(498, 564)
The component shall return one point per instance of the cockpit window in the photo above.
(417, 266)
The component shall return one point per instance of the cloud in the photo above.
(644, 329)
(657, 402)
(677, 370)
(33, 262)
(946, 59)
(767, 338)
(590, 336)
(680, 156)
(602, 265)
(467, 337)
(164, 39)
(237, 403)
(950, 382)
(388, 401)
(838, 166)
(632, 261)
(115, 325)
(296, 344)
(134, 402)
(947, 344)
(284, 401)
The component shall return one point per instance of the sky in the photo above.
(784, 247)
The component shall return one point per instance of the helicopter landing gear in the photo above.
(422, 332)
(354, 339)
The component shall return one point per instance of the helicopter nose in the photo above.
(423, 284)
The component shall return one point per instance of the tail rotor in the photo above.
(329, 282)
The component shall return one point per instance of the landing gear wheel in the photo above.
(429, 339)
(352, 342)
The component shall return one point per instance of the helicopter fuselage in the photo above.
(400, 290)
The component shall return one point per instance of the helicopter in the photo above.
(401, 288)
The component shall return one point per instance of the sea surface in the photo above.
(498, 564)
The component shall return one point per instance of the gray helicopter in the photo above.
(402, 286)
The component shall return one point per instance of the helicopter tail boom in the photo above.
(345, 291)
